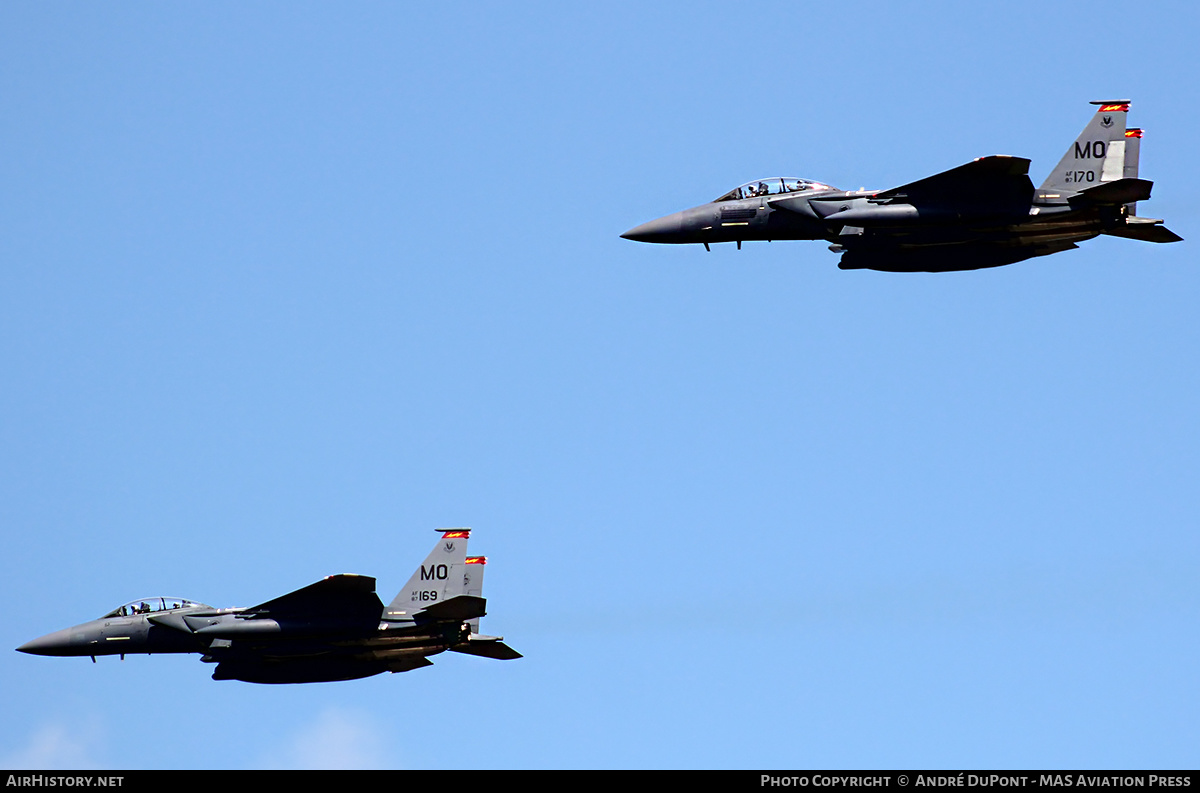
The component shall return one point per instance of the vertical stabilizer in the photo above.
(476, 643)
(1133, 148)
(474, 583)
(1097, 155)
(441, 576)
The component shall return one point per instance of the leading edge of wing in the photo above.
(982, 178)
(340, 593)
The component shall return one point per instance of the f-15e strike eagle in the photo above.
(335, 629)
(986, 213)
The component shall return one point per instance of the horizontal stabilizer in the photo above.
(487, 647)
(459, 608)
(1146, 232)
(1118, 191)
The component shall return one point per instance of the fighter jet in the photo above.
(982, 214)
(335, 629)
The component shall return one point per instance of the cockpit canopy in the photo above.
(153, 605)
(778, 185)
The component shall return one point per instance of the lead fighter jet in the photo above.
(335, 629)
(982, 214)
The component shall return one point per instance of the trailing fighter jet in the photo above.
(335, 629)
(982, 214)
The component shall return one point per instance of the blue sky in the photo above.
(287, 286)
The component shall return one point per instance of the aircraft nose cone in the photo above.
(57, 643)
(663, 229)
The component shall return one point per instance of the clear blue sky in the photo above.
(284, 287)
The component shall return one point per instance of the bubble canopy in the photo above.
(776, 185)
(152, 606)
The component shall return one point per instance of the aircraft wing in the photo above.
(342, 595)
(998, 179)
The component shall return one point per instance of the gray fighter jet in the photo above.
(982, 214)
(335, 629)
